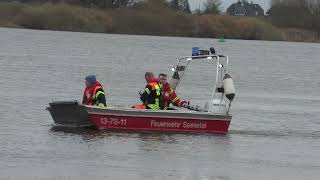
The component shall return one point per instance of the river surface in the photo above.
(274, 134)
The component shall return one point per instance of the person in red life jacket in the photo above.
(168, 94)
(93, 94)
(151, 97)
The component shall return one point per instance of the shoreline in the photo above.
(164, 36)
(153, 22)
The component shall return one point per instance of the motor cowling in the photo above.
(228, 86)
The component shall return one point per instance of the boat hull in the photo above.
(149, 120)
(160, 124)
(69, 113)
(74, 114)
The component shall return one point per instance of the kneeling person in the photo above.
(151, 97)
(168, 94)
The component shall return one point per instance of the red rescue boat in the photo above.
(214, 117)
(70, 113)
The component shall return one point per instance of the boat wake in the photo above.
(271, 133)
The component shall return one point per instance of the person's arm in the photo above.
(101, 98)
(166, 96)
(175, 99)
(84, 96)
(145, 95)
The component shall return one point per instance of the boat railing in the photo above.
(220, 68)
(217, 57)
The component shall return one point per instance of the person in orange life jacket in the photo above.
(168, 94)
(93, 94)
(151, 97)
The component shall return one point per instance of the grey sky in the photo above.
(265, 4)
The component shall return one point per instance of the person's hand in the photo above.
(185, 104)
(166, 96)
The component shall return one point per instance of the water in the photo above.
(275, 132)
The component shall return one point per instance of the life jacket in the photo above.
(139, 106)
(154, 95)
(91, 93)
(87, 96)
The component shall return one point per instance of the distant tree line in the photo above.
(179, 5)
(88, 3)
(296, 13)
(207, 7)
(212, 7)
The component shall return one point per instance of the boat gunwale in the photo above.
(158, 114)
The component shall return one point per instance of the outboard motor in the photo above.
(217, 106)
